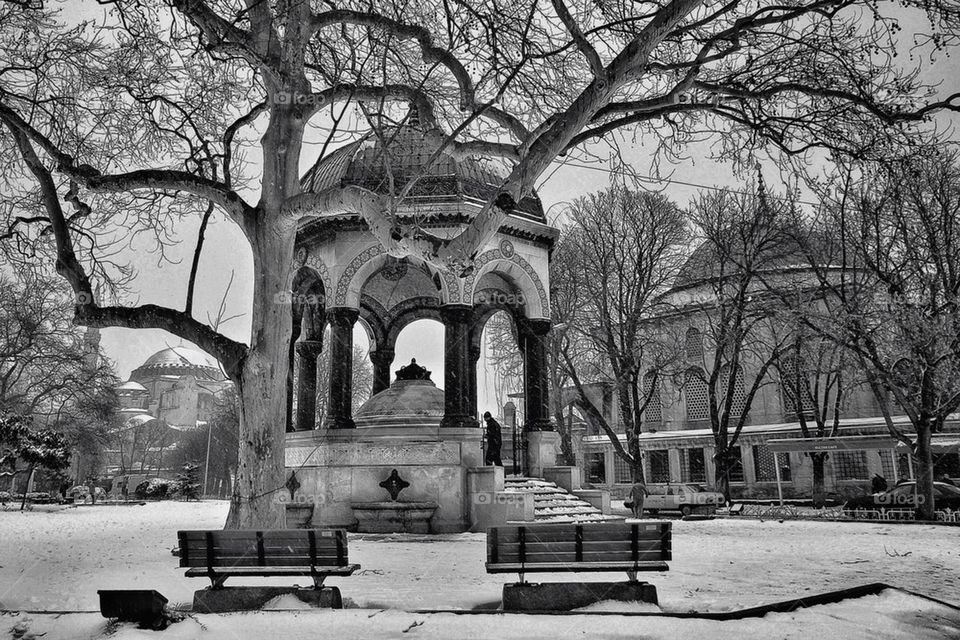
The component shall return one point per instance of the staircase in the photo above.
(555, 504)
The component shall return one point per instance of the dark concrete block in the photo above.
(253, 598)
(133, 605)
(564, 596)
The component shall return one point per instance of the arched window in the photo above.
(694, 344)
(737, 399)
(695, 394)
(653, 412)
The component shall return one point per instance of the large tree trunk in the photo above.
(924, 458)
(262, 389)
(819, 463)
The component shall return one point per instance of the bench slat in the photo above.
(511, 534)
(577, 567)
(197, 572)
(254, 561)
(252, 547)
(268, 534)
(562, 547)
(570, 556)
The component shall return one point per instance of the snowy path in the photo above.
(58, 560)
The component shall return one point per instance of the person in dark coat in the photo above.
(878, 484)
(494, 441)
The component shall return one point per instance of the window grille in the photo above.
(735, 464)
(695, 393)
(692, 467)
(659, 462)
(653, 412)
(596, 467)
(694, 344)
(850, 465)
(738, 395)
(621, 471)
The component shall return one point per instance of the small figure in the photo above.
(638, 494)
(945, 479)
(878, 484)
(494, 441)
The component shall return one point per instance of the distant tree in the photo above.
(188, 481)
(623, 251)
(33, 447)
(737, 330)
(220, 433)
(888, 239)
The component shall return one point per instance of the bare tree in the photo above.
(737, 329)
(138, 121)
(889, 272)
(625, 248)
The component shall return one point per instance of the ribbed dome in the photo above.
(364, 163)
(407, 403)
(179, 361)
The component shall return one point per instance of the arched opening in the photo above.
(423, 340)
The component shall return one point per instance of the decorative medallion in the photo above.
(394, 269)
(394, 485)
(506, 248)
(301, 258)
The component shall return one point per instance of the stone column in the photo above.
(472, 374)
(339, 406)
(308, 351)
(456, 358)
(382, 360)
(297, 312)
(536, 387)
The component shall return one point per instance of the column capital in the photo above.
(383, 355)
(309, 348)
(539, 327)
(456, 313)
(343, 316)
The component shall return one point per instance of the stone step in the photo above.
(552, 503)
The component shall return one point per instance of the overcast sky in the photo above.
(226, 251)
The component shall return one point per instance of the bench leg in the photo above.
(318, 579)
(216, 581)
(632, 576)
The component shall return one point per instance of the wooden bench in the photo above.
(218, 555)
(618, 546)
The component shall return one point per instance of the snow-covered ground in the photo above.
(889, 615)
(56, 561)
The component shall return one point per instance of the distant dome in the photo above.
(782, 253)
(178, 361)
(407, 403)
(449, 179)
(130, 385)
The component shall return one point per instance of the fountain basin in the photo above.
(392, 517)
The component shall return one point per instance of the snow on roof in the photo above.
(130, 385)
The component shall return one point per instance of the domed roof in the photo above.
(179, 361)
(407, 403)
(783, 251)
(130, 385)
(408, 149)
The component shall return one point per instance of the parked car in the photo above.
(904, 496)
(686, 498)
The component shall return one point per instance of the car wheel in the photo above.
(653, 512)
(685, 510)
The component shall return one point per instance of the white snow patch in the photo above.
(285, 602)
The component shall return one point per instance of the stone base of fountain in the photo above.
(393, 517)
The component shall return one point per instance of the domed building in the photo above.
(678, 444)
(176, 385)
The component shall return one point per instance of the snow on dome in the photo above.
(131, 385)
(176, 362)
(180, 357)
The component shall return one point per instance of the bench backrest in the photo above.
(272, 548)
(566, 544)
